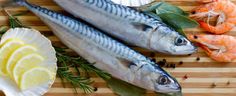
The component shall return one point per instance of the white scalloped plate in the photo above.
(45, 49)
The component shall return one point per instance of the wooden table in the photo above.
(201, 74)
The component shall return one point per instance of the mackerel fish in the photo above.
(108, 54)
(129, 25)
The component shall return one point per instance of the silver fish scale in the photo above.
(88, 33)
(125, 12)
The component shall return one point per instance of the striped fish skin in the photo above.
(129, 25)
(109, 55)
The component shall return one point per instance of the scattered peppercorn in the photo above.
(152, 54)
(164, 60)
(228, 83)
(193, 12)
(161, 63)
(172, 66)
(195, 37)
(198, 58)
(154, 60)
(213, 85)
(95, 89)
(167, 65)
(185, 77)
(181, 62)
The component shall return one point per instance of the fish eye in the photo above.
(163, 80)
(180, 41)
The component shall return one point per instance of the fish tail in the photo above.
(13, 3)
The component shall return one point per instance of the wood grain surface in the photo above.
(201, 74)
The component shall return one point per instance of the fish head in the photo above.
(172, 43)
(157, 79)
(166, 84)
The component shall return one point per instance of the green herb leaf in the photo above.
(171, 15)
(123, 88)
(3, 29)
(152, 7)
(168, 8)
(178, 20)
(163, 7)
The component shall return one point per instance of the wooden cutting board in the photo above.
(202, 74)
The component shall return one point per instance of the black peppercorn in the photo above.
(198, 58)
(181, 62)
(95, 89)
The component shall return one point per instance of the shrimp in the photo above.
(221, 48)
(225, 10)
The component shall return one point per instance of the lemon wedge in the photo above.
(5, 52)
(17, 55)
(35, 77)
(25, 64)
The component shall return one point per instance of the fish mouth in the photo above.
(192, 49)
(170, 90)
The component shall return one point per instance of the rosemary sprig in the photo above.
(65, 73)
(65, 62)
(79, 80)
(76, 81)
(14, 22)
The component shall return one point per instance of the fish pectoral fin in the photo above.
(143, 27)
(134, 66)
(131, 65)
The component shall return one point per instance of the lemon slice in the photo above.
(35, 51)
(5, 52)
(26, 63)
(35, 77)
(17, 55)
(8, 40)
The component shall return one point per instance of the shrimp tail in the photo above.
(219, 29)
